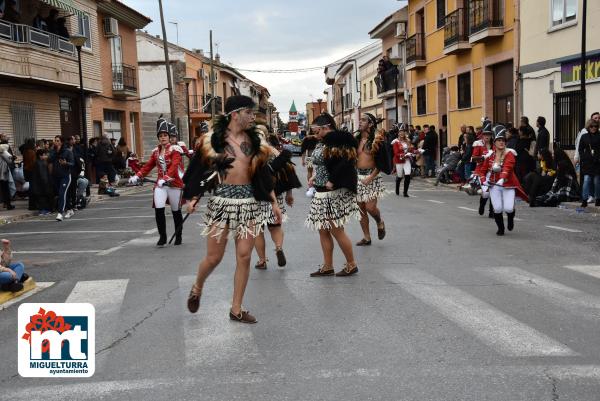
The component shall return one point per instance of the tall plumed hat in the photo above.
(499, 132)
(237, 103)
(487, 126)
(162, 125)
(173, 130)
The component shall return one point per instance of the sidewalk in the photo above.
(21, 212)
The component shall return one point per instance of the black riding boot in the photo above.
(511, 221)
(499, 223)
(406, 185)
(482, 202)
(178, 220)
(161, 224)
(398, 181)
(491, 214)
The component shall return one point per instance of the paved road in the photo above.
(442, 309)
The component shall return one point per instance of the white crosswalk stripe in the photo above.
(210, 337)
(590, 270)
(493, 327)
(107, 297)
(559, 294)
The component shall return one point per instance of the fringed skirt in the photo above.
(284, 216)
(308, 161)
(234, 208)
(332, 209)
(373, 191)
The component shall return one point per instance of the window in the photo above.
(371, 90)
(421, 100)
(83, 22)
(365, 92)
(464, 90)
(441, 13)
(563, 11)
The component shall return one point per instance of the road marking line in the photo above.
(467, 208)
(87, 218)
(55, 251)
(107, 297)
(119, 208)
(493, 327)
(109, 250)
(571, 230)
(435, 201)
(210, 338)
(150, 232)
(38, 287)
(73, 232)
(557, 293)
(590, 270)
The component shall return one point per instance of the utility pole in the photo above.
(213, 105)
(167, 63)
(582, 72)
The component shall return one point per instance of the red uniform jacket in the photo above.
(173, 164)
(479, 150)
(507, 172)
(400, 155)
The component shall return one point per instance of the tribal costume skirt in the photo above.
(331, 209)
(234, 208)
(373, 191)
(284, 216)
(308, 162)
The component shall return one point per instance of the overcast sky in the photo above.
(273, 34)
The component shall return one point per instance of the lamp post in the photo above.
(187, 81)
(78, 41)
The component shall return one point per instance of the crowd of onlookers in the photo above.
(545, 170)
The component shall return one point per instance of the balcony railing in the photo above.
(484, 14)
(415, 48)
(456, 27)
(201, 104)
(26, 34)
(386, 81)
(124, 79)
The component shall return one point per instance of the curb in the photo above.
(6, 296)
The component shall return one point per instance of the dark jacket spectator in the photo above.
(61, 28)
(60, 170)
(41, 183)
(430, 143)
(51, 23)
(11, 14)
(543, 137)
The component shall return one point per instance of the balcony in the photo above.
(386, 83)
(485, 20)
(124, 80)
(201, 104)
(415, 51)
(456, 32)
(25, 34)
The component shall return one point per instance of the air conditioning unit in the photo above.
(400, 30)
(201, 74)
(216, 74)
(111, 27)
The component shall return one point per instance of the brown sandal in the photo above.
(243, 317)
(347, 270)
(261, 264)
(363, 242)
(381, 231)
(323, 272)
(193, 301)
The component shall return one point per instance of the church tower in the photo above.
(293, 121)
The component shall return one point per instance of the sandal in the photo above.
(363, 242)
(381, 231)
(261, 264)
(193, 301)
(323, 272)
(243, 317)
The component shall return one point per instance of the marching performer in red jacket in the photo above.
(502, 181)
(482, 149)
(167, 159)
(403, 154)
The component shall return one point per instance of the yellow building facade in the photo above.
(459, 62)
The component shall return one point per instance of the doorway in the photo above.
(442, 112)
(503, 92)
(69, 116)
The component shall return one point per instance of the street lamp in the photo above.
(187, 81)
(78, 41)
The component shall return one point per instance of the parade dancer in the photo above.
(308, 145)
(403, 154)
(482, 149)
(370, 184)
(167, 159)
(241, 201)
(334, 203)
(173, 134)
(498, 172)
(286, 180)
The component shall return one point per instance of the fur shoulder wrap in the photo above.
(339, 144)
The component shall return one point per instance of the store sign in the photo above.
(570, 71)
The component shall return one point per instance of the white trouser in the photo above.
(161, 195)
(503, 199)
(403, 169)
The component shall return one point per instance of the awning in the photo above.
(66, 5)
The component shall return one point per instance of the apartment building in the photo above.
(459, 62)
